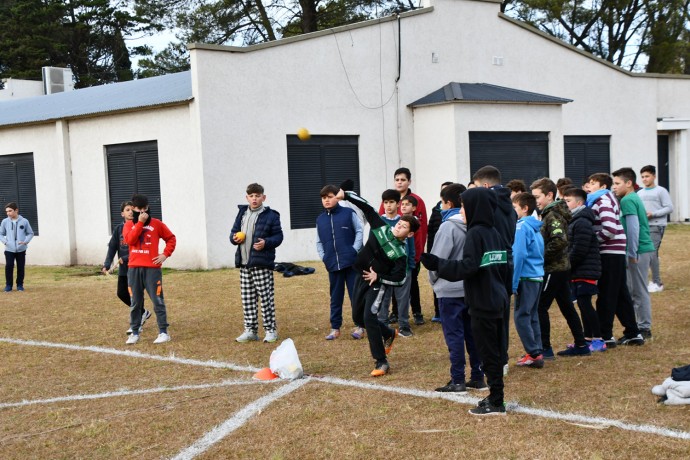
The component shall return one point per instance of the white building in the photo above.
(442, 90)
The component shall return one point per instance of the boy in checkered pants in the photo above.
(257, 233)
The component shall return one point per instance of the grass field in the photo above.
(70, 387)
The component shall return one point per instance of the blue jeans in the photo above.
(10, 258)
(527, 316)
(338, 280)
(457, 330)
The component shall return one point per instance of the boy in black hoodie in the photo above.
(484, 268)
(382, 263)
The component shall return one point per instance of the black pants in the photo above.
(614, 298)
(557, 286)
(488, 337)
(10, 258)
(367, 303)
(123, 290)
(415, 301)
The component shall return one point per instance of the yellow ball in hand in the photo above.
(239, 236)
(303, 134)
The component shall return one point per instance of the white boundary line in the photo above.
(512, 407)
(111, 394)
(237, 420)
(132, 354)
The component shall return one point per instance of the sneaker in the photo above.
(405, 332)
(20, 288)
(271, 337)
(436, 319)
(162, 337)
(637, 340)
(451, 387)
(611, 343)
(129, 331)
(132, 339)
(548, 354)
(380, 370)
(8, 288)
(645, 333)
(575, 351)
(419, 320)
(247, 336)
(528, 361)
(392, 319)
(477, 385)
(334, 334)
(486, 408)
(388, 343)
(506, 369)
(358, 333)
(597, 345)
(146, 315)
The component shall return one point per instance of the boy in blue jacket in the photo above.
(528, 275)
(484, 268)
(338, 240)
(257, 233)
(15, 234)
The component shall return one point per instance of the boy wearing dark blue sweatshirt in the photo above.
(484, 268)
(528, 275)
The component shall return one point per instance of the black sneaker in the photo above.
(636, 340)
(575, 351)
(477, 385)
(486, 408)
(419, 320)
(451, 387)
(405, 332)
(646, 334)
(611, 343)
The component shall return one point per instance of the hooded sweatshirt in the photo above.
(554, 229)
(14, 231)
(484, 264)
(528, 251)
(449, 243)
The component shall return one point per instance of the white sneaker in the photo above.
(505, 370)
(247, 336)
(271, 337)
(129, 331)
(162, 338)
(132, 339)
(653, 287)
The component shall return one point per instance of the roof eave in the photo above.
(414, 106)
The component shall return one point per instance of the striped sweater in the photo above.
(607, 225)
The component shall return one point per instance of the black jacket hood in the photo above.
(479, 204)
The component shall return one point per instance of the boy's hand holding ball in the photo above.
(239, 237)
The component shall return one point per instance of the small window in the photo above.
(319, 161)
(518, 155)
(133, 168)
(586, 155)
(18, 184)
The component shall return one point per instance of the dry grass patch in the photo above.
(74, 305)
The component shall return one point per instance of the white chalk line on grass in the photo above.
(237, 420)
(132, 354)
(512, 407)
(112, 394)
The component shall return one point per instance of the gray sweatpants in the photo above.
(402, 295)
(657, 234)
(142, 279)
(637, 283)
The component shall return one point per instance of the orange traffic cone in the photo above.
(265, 374)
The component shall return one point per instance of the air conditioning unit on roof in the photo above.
(57, 80)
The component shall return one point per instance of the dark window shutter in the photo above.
(586, 155)
(18, 183)
(320, 161)
(133, 168)
(517, 155)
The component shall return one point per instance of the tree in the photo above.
(624, 32)
(86, 35)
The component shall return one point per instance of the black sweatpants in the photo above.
(614, 298)
(488, 337)
(123, 290)
(368, 300)
(557, 286)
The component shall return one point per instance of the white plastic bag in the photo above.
(285, 362)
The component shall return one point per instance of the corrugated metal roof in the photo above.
(484, 92)
(115, 97)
